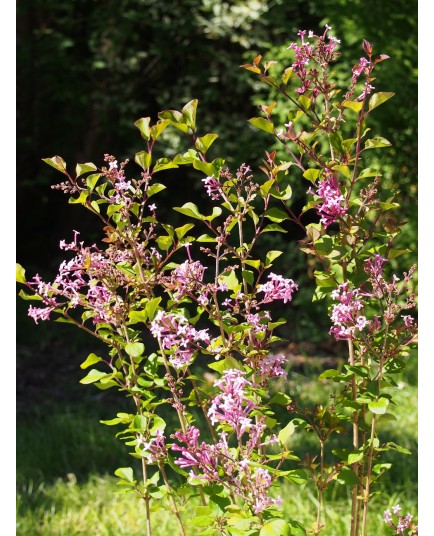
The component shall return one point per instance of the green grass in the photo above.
(66, 487)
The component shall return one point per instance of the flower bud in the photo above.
(367, 47)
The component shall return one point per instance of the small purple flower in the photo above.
(346, 314)
(178, 337)
(213, 187)
(334, 204)
(232, 406)
(278, 288)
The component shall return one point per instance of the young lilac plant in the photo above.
(352, 244)
(199, 296)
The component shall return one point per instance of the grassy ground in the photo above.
(66, 459)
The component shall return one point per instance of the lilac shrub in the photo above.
(200, 295)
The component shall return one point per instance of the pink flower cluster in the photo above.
(218, 462)
(334, 204)
(155, 450)
(278, 288)
(178, 337)
(187, 277)
(346, 314)
(403, 523)
(271, 366)
(233, 405)
(87, 280)
(213, 188)
(321, 53)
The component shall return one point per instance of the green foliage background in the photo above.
(87, 69)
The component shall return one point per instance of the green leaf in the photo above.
(164, 163)
(216, 211)
(158, 128)
(126, 473)
(276, 527)
(281, 398)
(274, 228)
(305, 102)
(93, 376)
(56, 162)
(81, 199)
(377, 143)
(205, 238)
(327, 374)
(347, 476)
(271, 256)
(379, 98)
(189, 113)
(176, 118)
(189, 209)
(354, 457)
(296, 528)
(230, 279)
(204, 143)
(80, 169)
(143, 125)
(181, 231)
(369, 172)
(253, 262)
(91, 180)
(356, 106)
(379, 407)
(287, 73)
(206, 167)
(285, 434)
(154, 189)
(226, 364)
(91, 360)
(29, 297)
(158, 424)
(276, 215)
(345, 170)
(311, 174)
(135, 349)
(151, 307)
(20, 274)
(248, 276)
(297, 476)
(144, 160)
(164, 242)
(262, 124)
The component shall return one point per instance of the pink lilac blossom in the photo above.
(334, 205)
(211, 461)
(346, 314)
(108, 307)
(177, 336)
(258, 321)
(320, 53)
(403, 523)
(187, 277)
(213, 187)
(366, 91)
(261, 481)
(278, 288)
(271, 366)
(232, 406)
(202, 456)
(408, 321)
(154, 450)
(374, 266)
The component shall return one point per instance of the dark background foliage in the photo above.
(87, 69)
